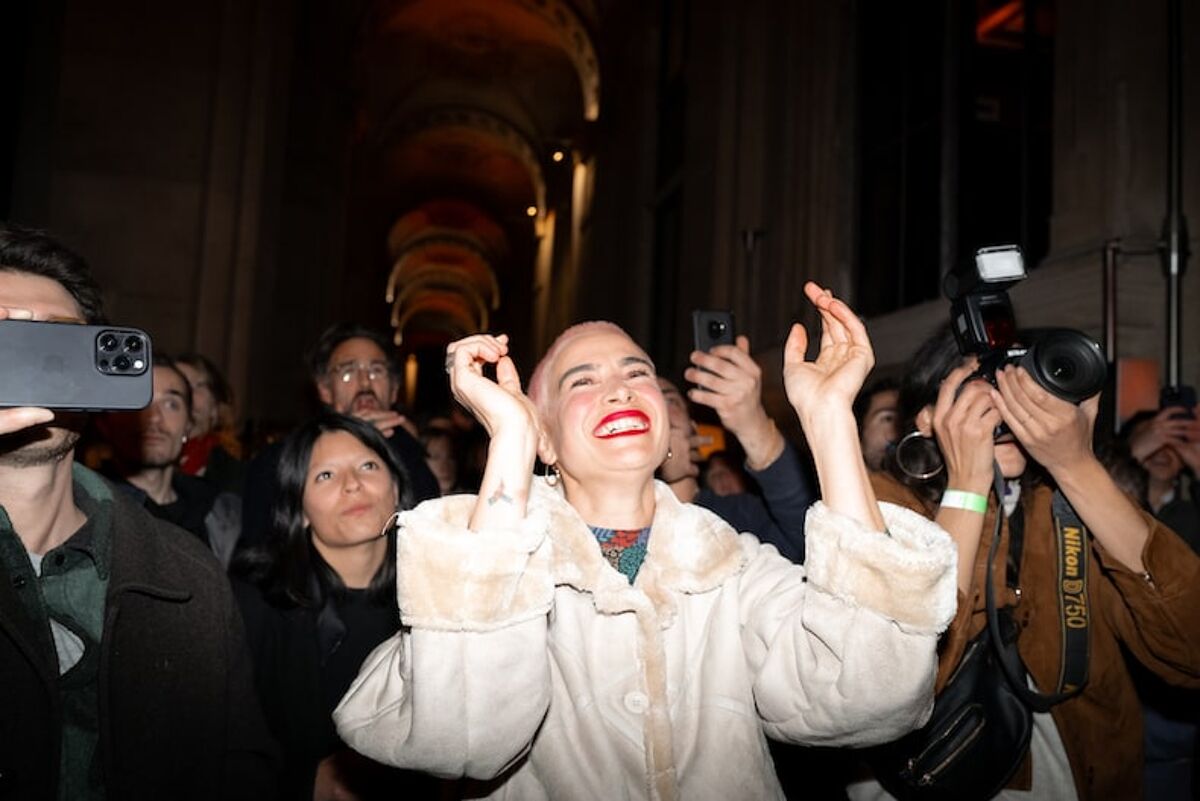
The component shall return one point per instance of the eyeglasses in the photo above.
(346, 372)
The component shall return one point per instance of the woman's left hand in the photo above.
(821, 392)
(1055, 432)
(834, 378)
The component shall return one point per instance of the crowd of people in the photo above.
(547, 592)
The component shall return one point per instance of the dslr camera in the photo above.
(1062, 361)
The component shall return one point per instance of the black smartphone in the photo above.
(712, 327)
(76, 367)
(1180, 397)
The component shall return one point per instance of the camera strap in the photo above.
(1073, 607)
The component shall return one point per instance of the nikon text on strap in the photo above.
(1073, 607)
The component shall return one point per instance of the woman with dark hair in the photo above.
(321, 594)
(1142, 590)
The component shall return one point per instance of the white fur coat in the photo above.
(527, 657)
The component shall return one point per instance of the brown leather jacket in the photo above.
(1155, 617)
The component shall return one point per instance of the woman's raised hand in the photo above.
(833, 379)
(821, 392)
(510, 420)
(499, 405)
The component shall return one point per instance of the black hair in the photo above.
(27, 250)
(862, 402)
(1135, 420)
(161, 359)
(288, 568)
(336, 334)
(220, 388)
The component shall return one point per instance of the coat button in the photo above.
(18, 582)
(636, 702)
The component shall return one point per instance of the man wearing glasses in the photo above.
(354, 373)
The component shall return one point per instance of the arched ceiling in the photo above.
(468, 111)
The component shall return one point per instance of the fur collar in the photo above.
(690, 550)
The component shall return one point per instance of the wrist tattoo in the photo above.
(498, 496)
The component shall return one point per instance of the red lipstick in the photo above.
(625, 423)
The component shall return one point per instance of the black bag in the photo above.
(976, 738)
(979, 732)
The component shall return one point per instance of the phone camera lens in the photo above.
(133, 344)
(122, 363)
(716, 328)
(108, 342)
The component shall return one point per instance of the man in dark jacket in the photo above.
(354, 373)
(124, 671)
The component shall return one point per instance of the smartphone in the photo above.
(712, 327)
(76, 367)
(1180, 397)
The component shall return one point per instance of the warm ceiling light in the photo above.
(531, 211)
(558, 155)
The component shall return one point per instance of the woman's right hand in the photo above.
(510, 420)
(964, 422)
(499, 405)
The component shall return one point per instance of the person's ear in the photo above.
(325, 392)
(394, 391)
(545, 447)
(924, 421)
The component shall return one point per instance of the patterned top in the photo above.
(624, 549)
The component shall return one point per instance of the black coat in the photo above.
(288, 644)
(178, 714)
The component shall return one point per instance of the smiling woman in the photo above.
(592, 637)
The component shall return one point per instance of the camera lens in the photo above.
(716, 329)
(108, 342)
(1066, 364)
(122, 363)
(133, 344)
(1061, 369)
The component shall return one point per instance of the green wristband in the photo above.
(958, 499)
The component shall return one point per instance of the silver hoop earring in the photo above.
(393, 519)
(904, 458)
(553, 476)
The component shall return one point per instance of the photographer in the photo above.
(1142, 582)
